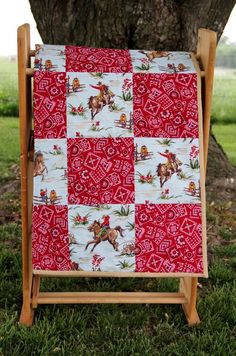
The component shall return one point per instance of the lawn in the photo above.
(114, 329)
(8, 87)
(224, 97)
(224, 111)
(9, 145)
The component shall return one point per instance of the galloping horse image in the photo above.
(156, 54)
(110, 235)
(166, 170)
(39, 167)
(96, 103)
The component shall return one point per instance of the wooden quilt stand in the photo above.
(32, 296)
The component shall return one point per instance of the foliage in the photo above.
(98, 75)
(130, 226)
(144, 65)
(124, 211)
(116, 108)
(184, 176)
(148, 178)
(165, 141)
(80, 110)
(125, 264)
(80, 220)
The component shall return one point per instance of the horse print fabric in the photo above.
(118, 176)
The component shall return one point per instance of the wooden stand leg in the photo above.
(25, 118)
(27, 312)
(188, 286)
(35, 291)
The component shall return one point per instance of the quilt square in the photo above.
(161, 62)
(102, 237)
(49, 58)
(167, 171)
(100, 171)
(165, 105)
(49, 104)
(99, 105)
(101, 60)
(50, 242)
(50, 172)
(168, 238)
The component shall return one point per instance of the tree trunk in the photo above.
(137, 24)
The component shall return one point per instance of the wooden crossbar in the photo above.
(109, 298)
(32, 296)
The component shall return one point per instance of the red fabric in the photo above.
(105, 60)
(50, 242)
(168, 238)
(165, 105)
(100, 171)
(49, 105)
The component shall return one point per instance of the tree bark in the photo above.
(139, 24)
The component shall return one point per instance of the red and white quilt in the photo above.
(118, 185)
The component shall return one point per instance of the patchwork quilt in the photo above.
(118, 175)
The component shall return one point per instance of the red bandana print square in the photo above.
(100, 171)
(168, 238)
(165, 105)
(49, 105)
(106, 60)
(50, 243)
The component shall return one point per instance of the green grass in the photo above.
(226, 137)
(9, 145)
(224, 97)
(224, 111)
(8, 88)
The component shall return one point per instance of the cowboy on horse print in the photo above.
(96, 103)
(104, 93)
(171, 166)
(105, 225)
(171, 158)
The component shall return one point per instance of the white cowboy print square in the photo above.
(91, 248)
(161, 62)
(167, 171)
(50, 172)
(99, 105)
(50, 58)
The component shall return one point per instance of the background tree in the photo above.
(137, 24)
